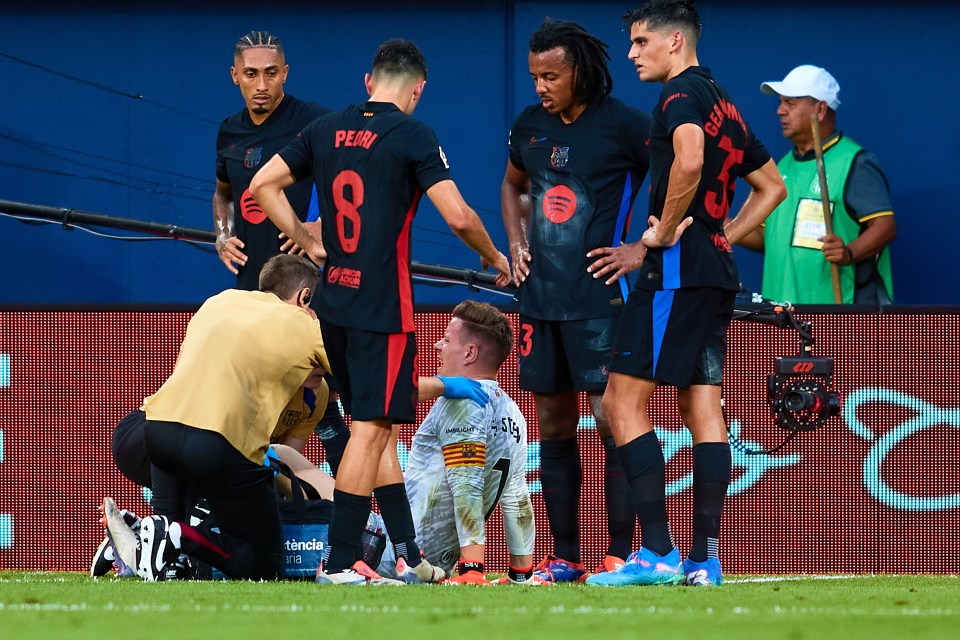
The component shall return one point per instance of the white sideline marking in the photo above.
(796, 578)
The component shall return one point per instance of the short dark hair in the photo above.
(484, 322)
(285, 274)
(582, 51)
(399, 57)
(255, 39)
(673, 14)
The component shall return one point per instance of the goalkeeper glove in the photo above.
(464, 388)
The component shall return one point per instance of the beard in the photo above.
(260, 109)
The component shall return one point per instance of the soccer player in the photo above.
(268, 122)
(466, 458)
(371, 163)
(244, 355)
(674, 325)
(581, 155)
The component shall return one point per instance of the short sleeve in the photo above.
(635, 126)
(298, 155)
(681, 105)
(429, 160)
(514, 151)
(867, 193)
(222, 174)
(755, 155)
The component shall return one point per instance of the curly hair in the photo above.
(585, 53)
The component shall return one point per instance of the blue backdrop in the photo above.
(115, 110)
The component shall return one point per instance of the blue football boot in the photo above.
(643, 567)
(702, 574)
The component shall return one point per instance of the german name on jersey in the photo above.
(703, 256)
(242, 148)
(371, 164)
(464, 460)
(584, 178)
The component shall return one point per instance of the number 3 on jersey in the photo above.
(348, 203)
(718, 201)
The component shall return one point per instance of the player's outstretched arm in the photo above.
(768, 192)
(465, 222)
(515, 204)
(455, 387)
(267, 188)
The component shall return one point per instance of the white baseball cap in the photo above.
(807, 80)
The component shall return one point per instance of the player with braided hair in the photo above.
(246, 140)
(246, 238)
(581, 156)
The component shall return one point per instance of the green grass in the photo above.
(71, 605)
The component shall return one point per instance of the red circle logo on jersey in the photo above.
(559, 204)
(333, 274)
(251, 211)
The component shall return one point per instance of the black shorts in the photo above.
(129, 452)
(676, 337)
(565, 355)
(376, 373)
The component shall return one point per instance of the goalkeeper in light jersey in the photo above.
(466, 458)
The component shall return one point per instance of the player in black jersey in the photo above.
(372, 163)
(245, 142)
(675, 322)
(581, 156)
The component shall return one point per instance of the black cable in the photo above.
(103, 87)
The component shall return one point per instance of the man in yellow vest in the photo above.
(797, 250)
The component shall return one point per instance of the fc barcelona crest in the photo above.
(252, 157)
(560, 157)
(469, 450)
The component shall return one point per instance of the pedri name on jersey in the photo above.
(354, 138)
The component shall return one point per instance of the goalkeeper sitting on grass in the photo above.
(465, 459)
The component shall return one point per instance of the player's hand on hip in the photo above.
(230, 252)
(291, 247)
(616, 261)
(520, 255)
(655, 237)
(457, 387)
(317, 254)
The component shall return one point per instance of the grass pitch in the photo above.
(71, 605)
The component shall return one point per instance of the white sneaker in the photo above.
(121, 537)
(358, 575)
(420, 574)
